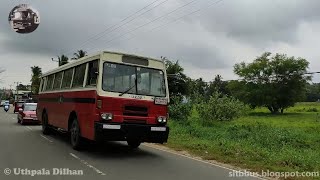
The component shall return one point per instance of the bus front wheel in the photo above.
(76, 139)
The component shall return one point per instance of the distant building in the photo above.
(19, 95)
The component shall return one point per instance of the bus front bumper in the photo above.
(122, 132)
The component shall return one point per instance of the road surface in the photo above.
(24, 148)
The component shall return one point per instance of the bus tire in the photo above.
(75, 135)
(45, 125)
(134, 144)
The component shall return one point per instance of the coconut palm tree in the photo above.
(35, 79)
(62, 60)
(79, 54)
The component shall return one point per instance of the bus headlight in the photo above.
(162, 119)
(107, 116)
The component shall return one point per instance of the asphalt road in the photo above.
(24, 147)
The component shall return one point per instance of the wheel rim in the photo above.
(74, 133)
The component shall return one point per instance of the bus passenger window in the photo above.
(41, 88)
(50, 82)
(57, 81)
(66, 82)
(79, 76)
(92, 73)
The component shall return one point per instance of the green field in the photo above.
(258, 141)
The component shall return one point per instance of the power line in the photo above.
(130, 20)
(123, 20)
(153, 20)
(181, 17)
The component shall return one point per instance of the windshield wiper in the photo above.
(135, 83)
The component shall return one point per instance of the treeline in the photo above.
(275, 81)
(272, 81)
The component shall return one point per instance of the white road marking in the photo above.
(87, 164)
(199, 160)
(28, 128)
(46, 138)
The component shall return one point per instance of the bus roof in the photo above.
(89, 58)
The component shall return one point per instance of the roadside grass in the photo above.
(258, 141)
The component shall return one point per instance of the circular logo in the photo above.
(7, 171)
(24, 19)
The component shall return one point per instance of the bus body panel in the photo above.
(127, 110)
(136, 114)
(59, 107)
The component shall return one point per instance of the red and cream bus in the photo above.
(107, 96)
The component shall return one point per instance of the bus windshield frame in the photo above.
(146, 81)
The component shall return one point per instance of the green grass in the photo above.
(259, 141)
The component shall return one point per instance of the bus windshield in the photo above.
(120, 78)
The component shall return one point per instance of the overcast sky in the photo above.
(206, 43)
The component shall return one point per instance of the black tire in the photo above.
(75, 135)
(45, 125)
(134, 144)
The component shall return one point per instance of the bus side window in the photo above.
(41, 85)
(66, 80)
(57, 80)
(92, 73)
(78, 77)
(50, 82)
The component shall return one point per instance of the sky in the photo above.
(209, 41)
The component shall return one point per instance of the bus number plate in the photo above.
(158, 129)
(111, 126)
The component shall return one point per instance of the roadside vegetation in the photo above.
(255, 122)
(257, 141)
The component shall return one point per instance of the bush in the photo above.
(221, 108)
(180, 111)
(312, 109)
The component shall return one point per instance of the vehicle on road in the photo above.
(107, 96)
(17, 105)
(6, 106)
(27, 113)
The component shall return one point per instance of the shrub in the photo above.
(180, 111)
(221, 108)
(312, 109)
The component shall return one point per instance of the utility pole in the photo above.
(56, 61)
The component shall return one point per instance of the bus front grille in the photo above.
(135, 111)
(134, 121)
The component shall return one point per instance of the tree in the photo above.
(79, 54)
(35, 79)
(217, 85)
(176, 79)
(63, 60)
(312, 92)
(22, 87)
(276, 82)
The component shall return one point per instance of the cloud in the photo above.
(262, 23)
(206, 44)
